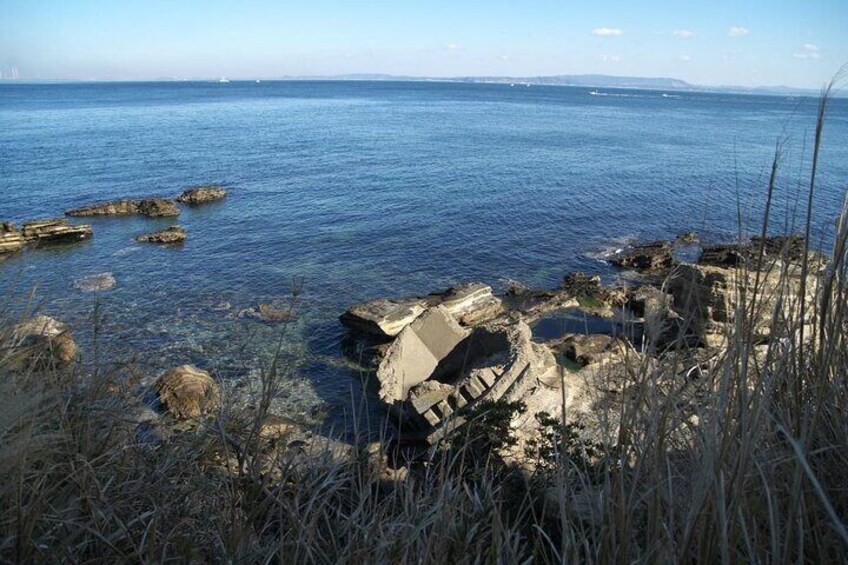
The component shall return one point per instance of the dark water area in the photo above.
(369, 189)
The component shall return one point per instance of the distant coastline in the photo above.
(587, 81)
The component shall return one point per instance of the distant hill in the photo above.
(589, 81)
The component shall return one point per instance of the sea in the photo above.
(349, 191)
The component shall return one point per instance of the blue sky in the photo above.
(749, 43)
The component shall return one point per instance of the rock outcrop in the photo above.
(202, 195)
(151, 207)
(41, 342)
(96, 283)
(187, 392)
(173, 235)
(11, 239)
(469, 304)
(56, 230)
(709, 297)
(651, 258)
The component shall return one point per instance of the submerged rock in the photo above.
(187, 392)
(40, 342)
(96, 283)
(202, 195)
(169, 236)
(268, 313)
(56, 230)
(151, 207)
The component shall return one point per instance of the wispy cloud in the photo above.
(685, 58)
(607, 32)
(504, 57)
(454, 47)
(738, 31)
(610, 58)
(683, 33)
(809, 51)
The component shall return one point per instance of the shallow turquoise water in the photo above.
(369, 189)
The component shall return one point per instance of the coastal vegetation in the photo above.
(716, 433)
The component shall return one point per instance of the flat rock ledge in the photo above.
(469, 304)
(150, 207)
(40, 232)
(202, 195)
(173, 235)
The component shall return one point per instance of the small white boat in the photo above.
(223, 80)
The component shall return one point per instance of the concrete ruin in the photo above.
(436, 368)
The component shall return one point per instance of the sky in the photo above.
(799, 43)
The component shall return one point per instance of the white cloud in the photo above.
(504, 57)
(809, 51)
(453, 47)
(738, 31)
(610, 58)
(685, 58)
(607, 32)
(683, 33)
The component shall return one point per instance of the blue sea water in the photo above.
(369, 189)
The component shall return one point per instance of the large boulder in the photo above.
(173, 235)
(11, 239)
(416, 353)
(56, 230)
(187, 392)
(202, 195)
(151, 207)
(469, 304)
(39, 343)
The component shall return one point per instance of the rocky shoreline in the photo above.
(435, 357)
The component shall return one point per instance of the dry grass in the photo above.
(760, 477)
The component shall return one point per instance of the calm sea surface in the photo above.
(369, 189)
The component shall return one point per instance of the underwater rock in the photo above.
(96, 283)
(169, 236)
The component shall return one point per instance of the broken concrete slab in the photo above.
(417, 352)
